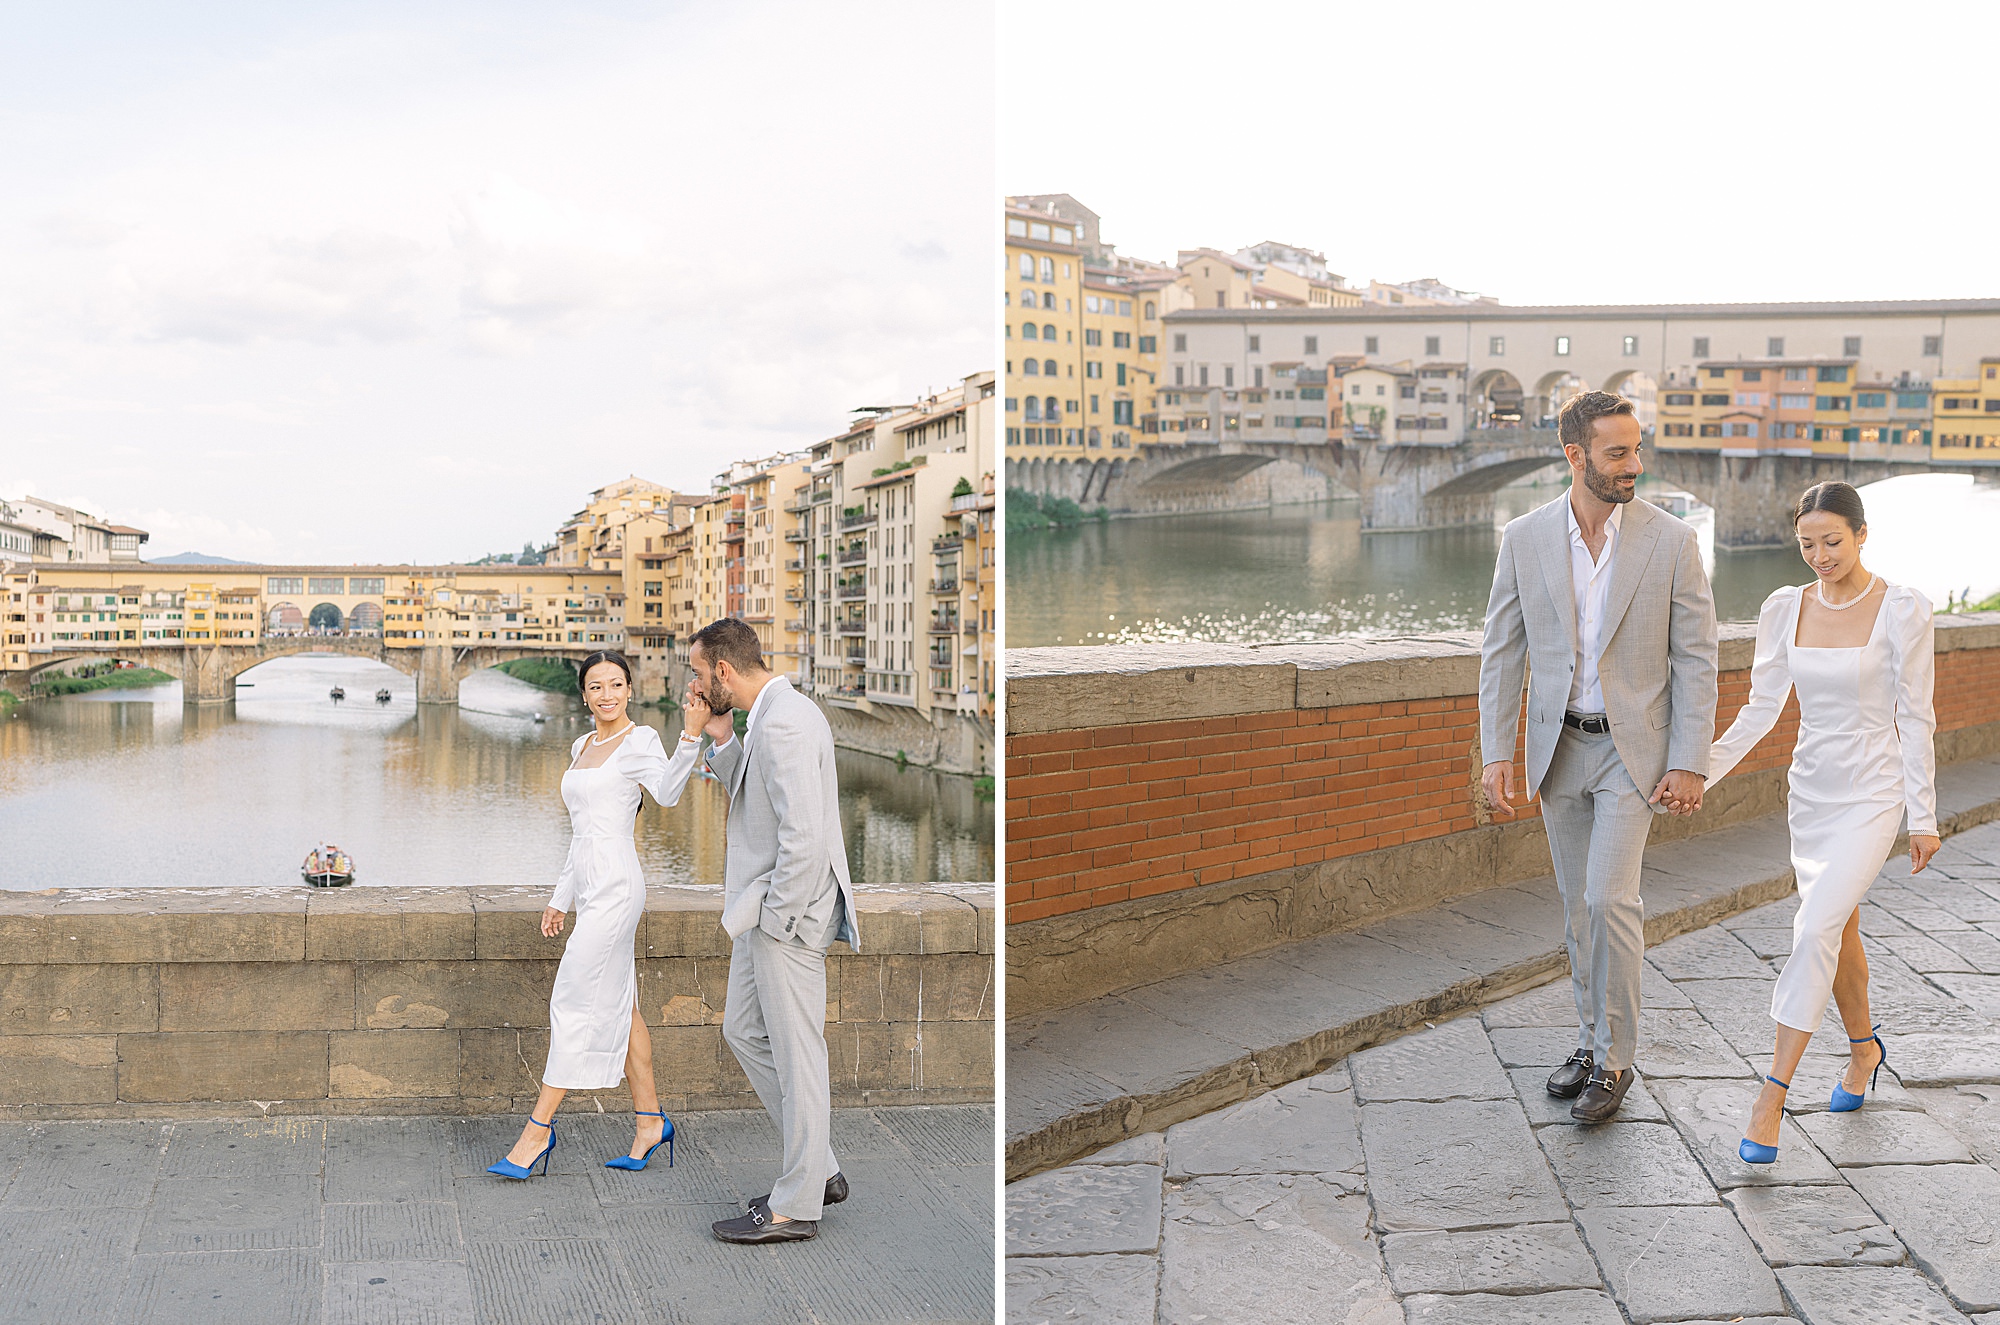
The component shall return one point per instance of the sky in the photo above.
(1539, 152)
(351, 282)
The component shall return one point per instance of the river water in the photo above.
(1306, 572)
(130, 788)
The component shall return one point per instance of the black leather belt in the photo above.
(1596, 725)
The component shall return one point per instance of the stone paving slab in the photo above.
(1475, 1209)
(330, 1221)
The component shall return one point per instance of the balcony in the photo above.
(759, 503)
(795, 626)
(861, 521)
(941, 658)
(852, 627)
(796, 536)
(972, 628)
(795, 595)
(849, 589)
(796, 563)
(798, 505)
(850, 556)
(944, 625)
(944, 586)
(855, 658)
(947, 543)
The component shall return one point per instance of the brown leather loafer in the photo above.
(1566, 1082)
(757, 1227)
(1601, 1096)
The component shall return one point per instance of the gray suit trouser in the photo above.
(1597, 820)
(774, 1019)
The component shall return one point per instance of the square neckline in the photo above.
(1798, 615)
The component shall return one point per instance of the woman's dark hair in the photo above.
(611, 656)
(1835, 498)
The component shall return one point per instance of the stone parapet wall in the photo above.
(1173, 806)
(134, 1002)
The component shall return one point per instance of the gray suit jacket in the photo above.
(786, 867)
(1657, 666)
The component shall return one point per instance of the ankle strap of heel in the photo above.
(1875, 1034)
(1781, 1085)
(550, 1124)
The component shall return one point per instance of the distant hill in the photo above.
(196, 559)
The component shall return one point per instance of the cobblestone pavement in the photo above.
(1432, 1180)
(393, 1221)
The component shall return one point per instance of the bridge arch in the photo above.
(1496, 399)
(366, 618)
(284, 619)
(324, 616)
(1642, 389)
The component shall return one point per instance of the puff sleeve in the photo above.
(643, 759)
(1913, 640)
(1770, 684)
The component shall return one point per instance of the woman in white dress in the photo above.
(1859, 652)
(596, 1036)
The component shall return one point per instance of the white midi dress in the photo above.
(1863, 761)
(590, 1010)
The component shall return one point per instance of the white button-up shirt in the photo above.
(1591, 582)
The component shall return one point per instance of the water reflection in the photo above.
(130, 787)
(1307, 572)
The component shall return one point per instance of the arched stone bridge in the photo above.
(208, 673)
(1434, 487)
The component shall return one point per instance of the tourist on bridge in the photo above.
(1859, 651)
(596, 1036)
(1601, 600)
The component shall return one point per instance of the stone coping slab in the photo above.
(1108, 685)
(1085, 1077)
(59, 926)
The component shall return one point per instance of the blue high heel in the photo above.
(1753, 1153)
(1845, 1100)
(666, 1139)
(507, 1168)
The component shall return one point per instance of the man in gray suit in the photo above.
(1601, 600)
(785, 897)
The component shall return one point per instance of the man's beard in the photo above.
(717, 698)
(1602, 486)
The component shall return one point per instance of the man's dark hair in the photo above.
(1581, 412)
(1835, 498)
(730, 641)
(612, 656)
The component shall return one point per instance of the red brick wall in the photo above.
(1100, 815)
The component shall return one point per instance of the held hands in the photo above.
(1497, 781)
(1680, 791)
(552, 922)
(1922, 847)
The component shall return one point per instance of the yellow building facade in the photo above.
(1965, 418)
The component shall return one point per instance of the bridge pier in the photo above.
(206, 677)
(437, 675)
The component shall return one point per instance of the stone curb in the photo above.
(1969, 795)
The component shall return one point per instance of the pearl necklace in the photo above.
(1842, 607)
(600, 740)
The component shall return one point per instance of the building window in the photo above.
(1180, 342)
(1149, 344)
(1431, 346)
(1631, 345)
(1093, 404)
(1701, 347)
(1048, 271)
(1933, 346)
(1049, 409)
(1028, 270)
(1562, 344)
(1312, 344)
(1201, 374)
(1092, 336)
(1833, 374)
(1093, 369)
(1180, 374)
(1029, 331)
(1774, 346)
(1496, 346)
(1121, 374)
(1851, 347)
(1048, 368)
(1256, 342)
(1229, 374)
(1048, 331)
(1371, 345)
(1031, 367)
(1121, 340)
(1257, 375)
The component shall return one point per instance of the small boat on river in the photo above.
(383, 696)
(327, 866)
(336, 694)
